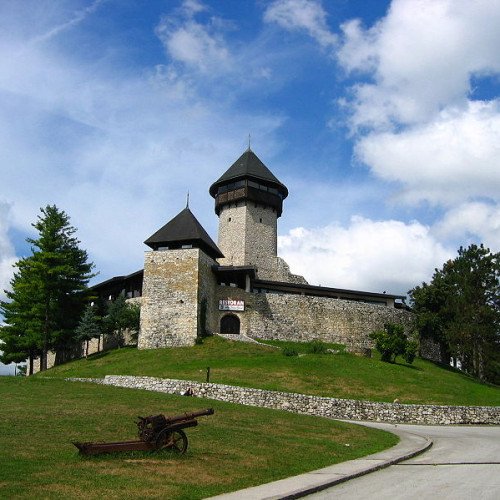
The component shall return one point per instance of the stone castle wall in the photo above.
(207, 303)
(302, 318)
(276, 269)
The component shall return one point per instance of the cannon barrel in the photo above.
(190, 416)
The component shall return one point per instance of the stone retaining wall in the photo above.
(316, 405)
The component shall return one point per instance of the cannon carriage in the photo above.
(156, 432)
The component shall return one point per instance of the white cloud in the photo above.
(473, 219)
(192, 44)
(372, 255)
(203, 55)
(421, 57)
(452, 158)
(303, 15)
(200, 46)
(413, 115)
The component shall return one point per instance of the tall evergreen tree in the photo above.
(460, 309)
(49, 291)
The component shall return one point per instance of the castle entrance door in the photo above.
(230, 324)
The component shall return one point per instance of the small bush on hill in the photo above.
(317, 347)
(392, 342)
(290, 351)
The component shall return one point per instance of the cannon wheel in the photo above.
(175, 440)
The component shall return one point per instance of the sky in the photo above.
(381, 117)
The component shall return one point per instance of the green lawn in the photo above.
(337, 375)
(235, 448)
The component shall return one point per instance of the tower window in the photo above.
(229, 220)
(260, 219)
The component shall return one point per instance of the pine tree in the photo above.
(49, 291)
(88, 328)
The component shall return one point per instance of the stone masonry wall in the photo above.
(231, 242)
(247, 234)
(302, 318)
(169, 312)
(315, 405)
(207, 303)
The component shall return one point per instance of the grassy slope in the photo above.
(339, 375)
(235, 448)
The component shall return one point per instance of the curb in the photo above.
(411, 444)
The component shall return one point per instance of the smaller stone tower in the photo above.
(179, 285)
(248, 201)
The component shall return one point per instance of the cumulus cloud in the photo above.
(372, 255)
(420, 56)
(302, 15)
(478, 220)
(414, 114)
(451, 158)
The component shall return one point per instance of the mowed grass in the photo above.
(250, 365)
(235, 448)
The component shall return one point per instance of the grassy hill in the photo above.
(235, 448)
(337, 375)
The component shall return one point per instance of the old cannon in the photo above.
(155, 433)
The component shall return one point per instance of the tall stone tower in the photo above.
(248, 201)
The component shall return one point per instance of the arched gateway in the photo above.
(230, 324)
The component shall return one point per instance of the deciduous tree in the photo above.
(122, 316)
(460, 309)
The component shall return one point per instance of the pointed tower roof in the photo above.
(249, 166)
(184, 229)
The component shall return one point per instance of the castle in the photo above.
(190, 286)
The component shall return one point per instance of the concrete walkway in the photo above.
(410, 445)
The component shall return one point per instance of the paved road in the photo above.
(463, 463)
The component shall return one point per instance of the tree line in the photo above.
(49, 306)
(49, 295)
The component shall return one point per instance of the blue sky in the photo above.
(382, 118)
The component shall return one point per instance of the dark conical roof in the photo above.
(184, 229)
(248, 165)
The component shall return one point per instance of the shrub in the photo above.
(392, 342)
(317, 347)
(410, 351)
(290, 351)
